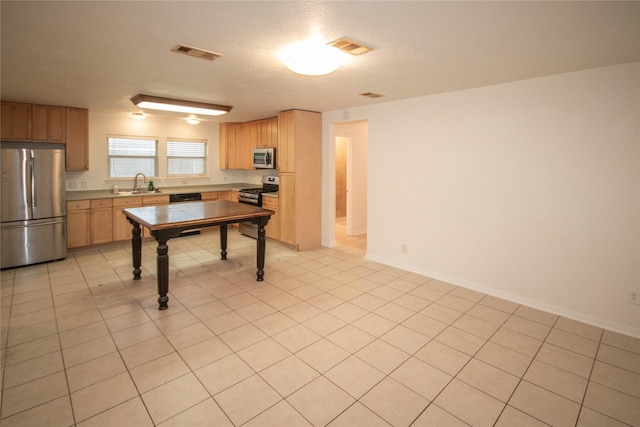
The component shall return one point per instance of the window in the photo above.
(131, 155)
(186, 158)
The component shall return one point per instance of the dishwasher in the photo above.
(184, 198)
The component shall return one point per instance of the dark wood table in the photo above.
(169, 221)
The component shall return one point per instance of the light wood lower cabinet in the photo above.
(121, 226)
(209, 196)
(91, 222)
(152, 201)
(286, 214)
(78, 223)
(273, 226)
(101, 221)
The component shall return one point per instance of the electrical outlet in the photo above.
(634, 296)
(404, 248)
(83, 184)
(73, 184)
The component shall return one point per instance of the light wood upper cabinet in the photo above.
(16, 121)
(48, 123)
(237, 141)
(286, 154)
(251, 133)
(77, 135)
(231, 145)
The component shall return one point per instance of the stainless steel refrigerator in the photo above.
(32, 201)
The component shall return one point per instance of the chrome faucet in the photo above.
(135, 181)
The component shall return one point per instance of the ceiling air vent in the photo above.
(372, 95)
(195, 52)
(350, 47)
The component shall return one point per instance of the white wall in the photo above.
(528, 190)
(103, 124)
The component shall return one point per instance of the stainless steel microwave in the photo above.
(264, 158)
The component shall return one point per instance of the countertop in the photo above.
(108, 194)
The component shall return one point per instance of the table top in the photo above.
(194, 214)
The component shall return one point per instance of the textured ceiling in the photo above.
(97, 55)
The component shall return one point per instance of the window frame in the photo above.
(205, 158)
(155, 158)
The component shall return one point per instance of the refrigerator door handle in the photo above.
(34, 193)
(24, 224)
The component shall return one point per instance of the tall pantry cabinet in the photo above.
(299, 160)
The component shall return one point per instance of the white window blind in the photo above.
(130, 155)
(186, 158)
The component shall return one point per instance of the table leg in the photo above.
(223, 241)
(261, 250)
(136, 249)
(162, 261)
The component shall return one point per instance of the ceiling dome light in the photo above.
(312, 57)
(193, 121)
(138, 115)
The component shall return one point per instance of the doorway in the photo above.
(342, 145)
(351, 180)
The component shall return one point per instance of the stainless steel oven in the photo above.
(253, 196)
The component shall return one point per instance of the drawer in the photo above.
(101, 203)
(127, 202)
(269, 202)
(155, 200)
(77, 205)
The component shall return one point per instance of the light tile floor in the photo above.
(329, 338)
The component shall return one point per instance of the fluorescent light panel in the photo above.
(179, 105)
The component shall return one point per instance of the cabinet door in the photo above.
(287, 211)
(273, 226)
(48, 123)
(231, 146)
(101, 226)
(101, 221)
(224, 137)
(15, 121)
(285, 157)
(77, 133)
(78, 223)
(122, 226)
(272, 131)
(251, 132)
(268, 132)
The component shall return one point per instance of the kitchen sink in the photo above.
(130, 193)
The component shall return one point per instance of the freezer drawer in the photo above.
(31, 242)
